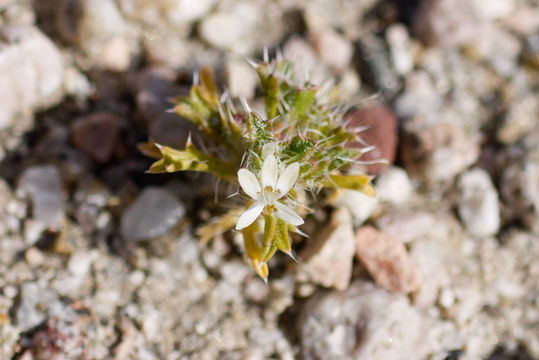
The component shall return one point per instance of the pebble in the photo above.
(96, 135)
(497, 46)
(10, 291)
(154, 213)
(520, 181)
(493, 10)
(478, 207)
(394, 186)
(328, 260)
(305, 62)
(235, 272)
(36, 304)
(374, 66)
(408, 225)
(34, 257)
(446, 23)
(387, 260)
(229, 29)
(43, 185)
(61, 338)
(187, 251)
(531, 50)
(80, 262)
(32, 70)
(399, 43)
(524, 20)
(420, 96)
(116, 54)
(333, 48)
(106, 38)
(153, 87)
(32, 230)
(519, 119)
(76, 84)
(256, 291)
(170, 50)
(363, 322)
(18, 13)
(358, 204)
(437, 152)
(242, 78)
(184, 11)
(381, 132)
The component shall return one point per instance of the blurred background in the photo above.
(99, 260)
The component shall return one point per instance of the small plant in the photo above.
(278, 159)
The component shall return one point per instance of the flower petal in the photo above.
(270, 172)
(249, 183)
(288, 179)
(249, 215)
(268, 149)
(287, 214)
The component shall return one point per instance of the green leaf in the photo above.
(193, 159)
(298, 148)
(268, 243)
(302, 103)
(352, 182)
(259, 129)
(253, 250)
(270, 88)
(282, 240)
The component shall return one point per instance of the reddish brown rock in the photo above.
(387, 260)
(96, 135)
(382, 132)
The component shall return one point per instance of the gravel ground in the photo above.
(99, 260)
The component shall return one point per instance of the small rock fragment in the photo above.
(43, 185)
(438, 151)
(334, 49)
(520, 181)
(96, 135)
(400, 48)
(387, 260)
(493, 10)
(306, 62)
(524, 20)
(405, 224)
(32, 71)
(497, 46)
(364, 322)
(36, 304)
(183, 11)
(479, 208)
(381, 131)
(228, 29)
(329, 256)
(106, 38)
(242, 78)
(155, 212)
(359, 205)
(520, 119)
(447, 23)
(375, 67)
(394, 186)
(531, 50)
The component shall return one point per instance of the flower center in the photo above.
(268, 196)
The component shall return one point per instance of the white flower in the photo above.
(268, 191)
